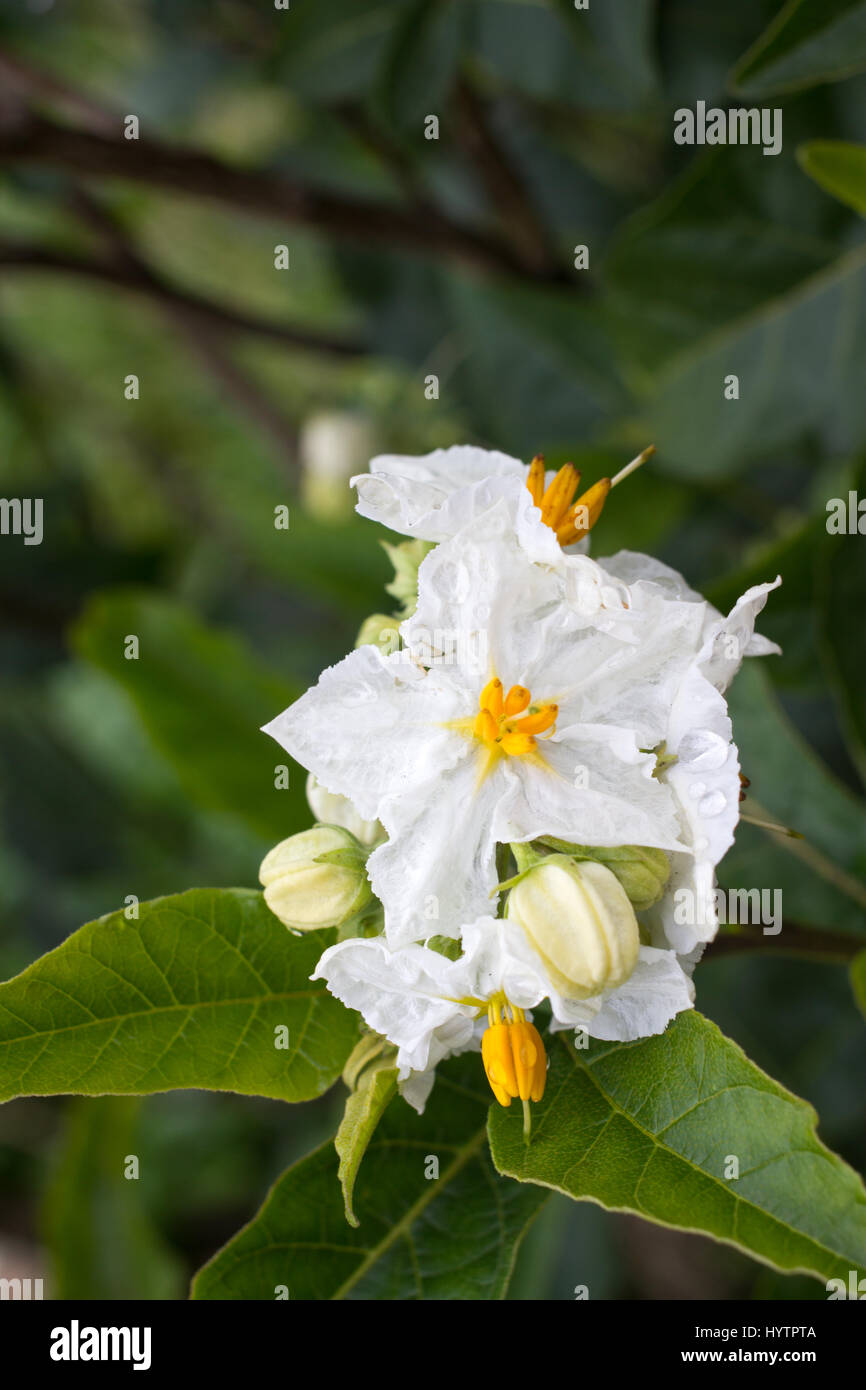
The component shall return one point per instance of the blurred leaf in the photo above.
(843, 597)
(820, 878)
(649, 1127)
(190, 995)
(839, 167)
(364, 1109)
(533, 361)
(858, 980)
(202, 698)
(101, 1241)
(798, 362)
(421, 63)
(600, 58)
(719, 241)
(448, 1237)
(808, 42)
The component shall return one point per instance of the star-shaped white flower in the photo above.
(506, 717)
(431, 1007)
(704, 769)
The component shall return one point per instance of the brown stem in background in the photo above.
(32, 140)
(793, 939)
(504, 188)
(140, 279)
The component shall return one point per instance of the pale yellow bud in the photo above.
(306, 893)
(580, 921)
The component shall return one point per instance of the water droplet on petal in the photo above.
(703, 750)
(697, 789)
(713, 803)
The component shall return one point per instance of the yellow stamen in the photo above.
(513, 1056)
(517, 743)
(491, 698)
(516, 700)
(503, 723)
(542, 719)
(535, 479)
(583, 515)
(556, 499)
(571, 520)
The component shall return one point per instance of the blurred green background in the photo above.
(261, 388)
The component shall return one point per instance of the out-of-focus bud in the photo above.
(581, 923)
(333, 446)
(642, 871)
(379, 630)
(332, 809)
(316, 879)
(406, 559)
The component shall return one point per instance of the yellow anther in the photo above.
(558, 496)
(535, 479)
(508, 723)
(582, 516)
(516, 700)
(515, 744)
(491, 698)
(514, 1060)
(486, 727)
(537, 721)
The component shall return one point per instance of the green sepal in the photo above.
(642, 870)
(371, 1076)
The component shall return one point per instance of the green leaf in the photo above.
(453, 1236)
(101, 1241)
(843, 595)
(364, 1109)
(821, 877)
(190, 995)
(650, 1127)
(839, 167)
(808, 42)
(798, 363)
(202, 698)
(858, 980)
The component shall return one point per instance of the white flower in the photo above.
(704, 775)
(506, 718)
(430, 1007)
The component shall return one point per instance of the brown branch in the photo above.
(504, 188)
(35, 141)
(793, 939)
(140, 280)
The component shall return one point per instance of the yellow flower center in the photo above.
(513, 1054)
(509, 723)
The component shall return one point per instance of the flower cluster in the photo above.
(517, 784)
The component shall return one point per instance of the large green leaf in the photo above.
(101, 1242)
(821, 876)
(798, 360)
(448, 1237)
(839, 167)
(843, 596)
(202, 698)
(189, 995)
(651, 1128)
(809, 41)
(858, 980)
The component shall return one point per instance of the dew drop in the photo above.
(713, 803)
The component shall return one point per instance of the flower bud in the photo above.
(642, 871)
(316, 879)
(333, 809)
(382, 631)
(581, 923)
